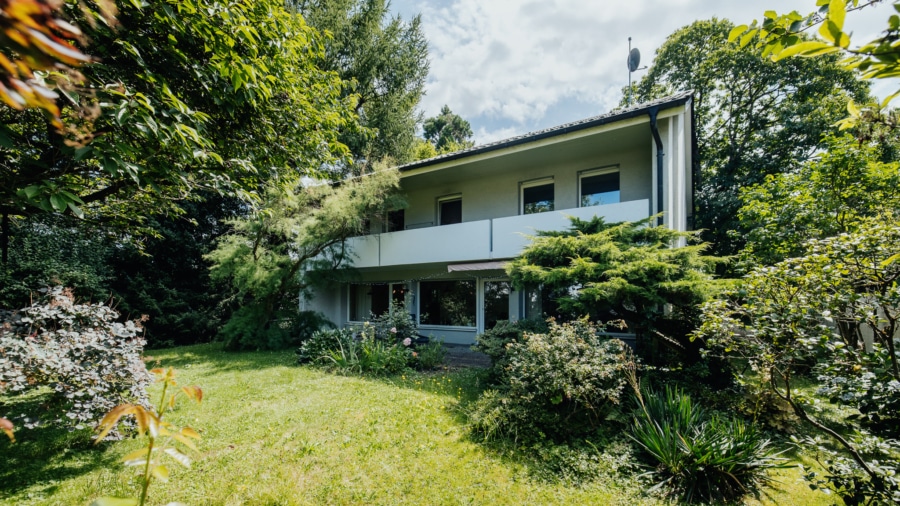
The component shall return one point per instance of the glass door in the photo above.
(496, 303)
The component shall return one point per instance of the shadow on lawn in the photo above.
(44, 456)
(215, 356)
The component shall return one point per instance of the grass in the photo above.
(276, 433)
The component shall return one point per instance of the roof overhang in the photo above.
(570, 131)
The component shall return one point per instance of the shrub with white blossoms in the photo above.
(91, 361)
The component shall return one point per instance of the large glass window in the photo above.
(450, 211)
(599, 187)
(537, 197)
(368, 300)
(449, 303)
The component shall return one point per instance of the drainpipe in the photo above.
(659, 162)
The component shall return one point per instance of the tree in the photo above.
(268, 254)
(780, 36)
(627, 270)
(754, 117)
(448, 132)
(386, 60)
(829, 195)
(813, 310)
(188, 95)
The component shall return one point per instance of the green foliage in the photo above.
(630, 270)
(779, 36)
(387, 346)
(395, 324)
(267, 254)
(560, 384)
(835, 311)
(700, 459)
(162, 437)
(167, 278)
(754, 117)
(89, 360)
(51, 250)
(448, 132)
(430, 355)
(356, 352)
(187, 95)
(385, 60)
(493, 342)
(825, 197)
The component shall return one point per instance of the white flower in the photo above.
(407, 342)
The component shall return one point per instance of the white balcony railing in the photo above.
(478, 240)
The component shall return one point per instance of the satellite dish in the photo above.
(634, 59)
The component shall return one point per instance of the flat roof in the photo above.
(595, 121)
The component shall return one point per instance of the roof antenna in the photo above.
(634, 59)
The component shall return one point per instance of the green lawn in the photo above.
(276, 433)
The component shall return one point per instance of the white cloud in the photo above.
(507, 65)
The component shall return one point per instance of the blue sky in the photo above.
(514, 66)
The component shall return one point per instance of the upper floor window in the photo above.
(450, 210)
(396, 220)
(598, 187)
(537, 196)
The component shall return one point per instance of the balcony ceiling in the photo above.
(634, 136)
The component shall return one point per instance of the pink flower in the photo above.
(393, 330)
(407, 342)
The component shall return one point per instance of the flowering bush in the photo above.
(90, 361)
(395, 325)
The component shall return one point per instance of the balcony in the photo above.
(497, 238)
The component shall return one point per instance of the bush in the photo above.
(493, 342)
(396, 324)
(701, 460)
(429, 355)
(90, 361)
(564, 383)
(320, 345)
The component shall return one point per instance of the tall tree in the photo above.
(448, 131)
(386, 60)
(268, 254)
(754, 117)
(186, 95)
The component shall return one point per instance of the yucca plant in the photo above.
(700, 459)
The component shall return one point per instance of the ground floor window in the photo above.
(451, 303)
(368, 300)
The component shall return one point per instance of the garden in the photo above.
(159, 221)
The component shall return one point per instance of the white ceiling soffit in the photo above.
(477, 266)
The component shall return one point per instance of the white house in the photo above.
(472, 210)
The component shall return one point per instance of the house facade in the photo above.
(472, 210)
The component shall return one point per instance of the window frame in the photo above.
(599, 171)
(440, 201)
(531, 183)
(420, 299)
(408, 297)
